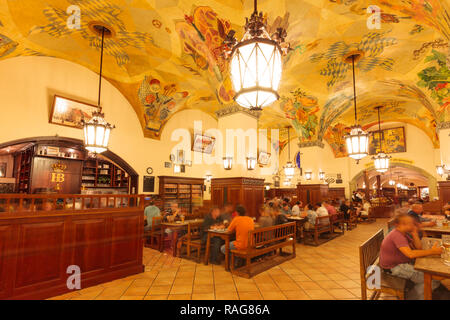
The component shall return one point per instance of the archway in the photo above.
(431, 180)
(76, 144)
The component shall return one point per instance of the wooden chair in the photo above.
(369, 218)
(338, 222)
(322, 225)
(191, 240)
(390, 225)
(155, 233)
(352, 221)
(264, 241)
(368, 255)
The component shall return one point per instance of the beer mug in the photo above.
(446, 249)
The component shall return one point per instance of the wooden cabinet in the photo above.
(187, 192)
(336, 193)
(444, 191)
(248, 192)
(282, 193)
(312, 193)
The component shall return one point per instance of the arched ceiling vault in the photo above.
(166, 57)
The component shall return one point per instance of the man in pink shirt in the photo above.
(398, 251)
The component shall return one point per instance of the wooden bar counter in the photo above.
(42, 235)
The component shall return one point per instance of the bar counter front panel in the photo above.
(36, 250)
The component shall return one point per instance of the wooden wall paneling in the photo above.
(7, 261)
(42, 259)
(312, 193)
(126, 249)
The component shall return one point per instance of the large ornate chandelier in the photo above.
(381, 160)
(97, 130)
(358, 140)
(256, 64)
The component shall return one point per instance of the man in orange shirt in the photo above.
(242, 225)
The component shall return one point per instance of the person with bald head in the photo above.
(416, 213)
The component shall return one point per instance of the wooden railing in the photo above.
(13, 204)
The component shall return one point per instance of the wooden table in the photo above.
(436, 231)
(432, 267)
(299, 221)
(224, 235)
(174, 226)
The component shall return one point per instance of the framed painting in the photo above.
(203, 144)
(263, 158)
(69, 112)
(393, 141)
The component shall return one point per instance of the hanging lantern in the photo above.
(391, 182)
(251, 163)
(256, 64)
(96, 133)
(227, 163)
(440, 170)
(381, 160)
(289, 169)
(357, 141)
(97, 130)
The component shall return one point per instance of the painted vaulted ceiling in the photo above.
(166, 57)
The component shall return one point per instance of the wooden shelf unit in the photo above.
(187, 192)
(99, 173)
(23, 174)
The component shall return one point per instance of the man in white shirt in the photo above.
(322, 211)
(296, 209)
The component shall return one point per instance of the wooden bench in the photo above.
(322, 225)
(191, 240)
(155, 233)
(265, 241)
(368, 255)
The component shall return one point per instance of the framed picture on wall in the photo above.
(203, 144)
(3, 169)
(180, 156)
(69, 112)
(393, 141)
(263, 158)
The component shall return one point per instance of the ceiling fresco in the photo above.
(166, 56)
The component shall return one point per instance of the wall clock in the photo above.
(149, 170)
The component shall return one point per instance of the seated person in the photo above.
(285, 209)
(242, 224)
(416, 212)
(228, 212)
(296, 209)
(150, 212)
(265, 218)
(212, 219)
(173, 213)
(322, 212)
(365, 209)
(279, 217)
(399, 249)
(311, 216)
(345, 209)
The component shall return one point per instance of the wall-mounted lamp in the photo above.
(267, 187)
(227, 163)
(251, 163)
(308, 175)
(322, 175)
(208, 178)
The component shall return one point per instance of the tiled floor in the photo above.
(330, 271)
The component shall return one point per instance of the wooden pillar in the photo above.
(366, 182)
(378, 186)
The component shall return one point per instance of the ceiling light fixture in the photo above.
(97, 130)
(256, 64)
(381, 160)
(357, 140)
(289, 168)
